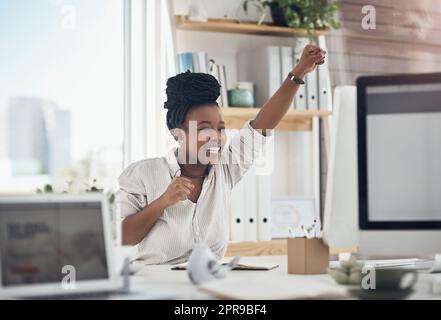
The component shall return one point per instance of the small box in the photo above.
(307, 256)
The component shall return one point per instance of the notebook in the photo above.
(251, 266)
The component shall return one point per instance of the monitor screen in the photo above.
(38, 240)
(401, 165)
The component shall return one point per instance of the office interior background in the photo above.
(81, 97)
(82, 89)
(63, 81)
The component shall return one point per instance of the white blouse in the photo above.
(172, 237)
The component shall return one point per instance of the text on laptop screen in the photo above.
(38, 240)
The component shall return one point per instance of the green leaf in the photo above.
(310, 14)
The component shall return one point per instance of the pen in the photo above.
(316, 229)
(306, 232)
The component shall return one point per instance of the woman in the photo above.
(170, 203)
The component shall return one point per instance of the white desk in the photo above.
(176, 284)
(160, 282)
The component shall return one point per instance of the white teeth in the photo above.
(214, 149)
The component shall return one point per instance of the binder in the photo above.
(311, 90)
(250, 200)
(223, 83)
(237, 212)
(286, 62)
(262, 67)
(215, 72)
(219, 72)
(197, 63)
(281, 173)
(200, 62)
(203, 62)
(300, 97)
(264, 207)
(299, 170)
(324, 82)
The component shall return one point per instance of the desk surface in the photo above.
(176, 284)
(160, 282)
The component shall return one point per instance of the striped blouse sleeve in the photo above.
(131, 196)
(242, 151)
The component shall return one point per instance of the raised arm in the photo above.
(277, 106)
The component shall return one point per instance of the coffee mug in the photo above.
(394, 279)
(240, 98)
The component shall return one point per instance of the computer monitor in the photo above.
(399, 164)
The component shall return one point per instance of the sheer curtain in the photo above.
(150, 60)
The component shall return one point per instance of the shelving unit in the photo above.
(234, 26)
(294, 120)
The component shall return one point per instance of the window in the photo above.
(61, 97)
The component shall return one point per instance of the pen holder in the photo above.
(307, 256)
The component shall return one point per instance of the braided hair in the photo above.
(187, 90)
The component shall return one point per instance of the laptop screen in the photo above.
(43, 242)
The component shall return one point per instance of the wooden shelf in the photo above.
(271, 248)
(294, 120)
(256, 248)
(234, 26)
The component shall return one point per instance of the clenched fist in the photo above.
(311, 57)
(178, 190)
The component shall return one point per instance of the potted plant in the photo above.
(302, 14)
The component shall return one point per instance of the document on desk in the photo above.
(422, 265)
(392, 263)
(275, 286)
(243, 265)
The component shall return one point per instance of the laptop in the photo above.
(52, 245)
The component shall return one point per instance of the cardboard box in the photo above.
(307, 256)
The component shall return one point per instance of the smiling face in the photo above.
(202, 135)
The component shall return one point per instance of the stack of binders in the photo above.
(274, 63)
(267, 67)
